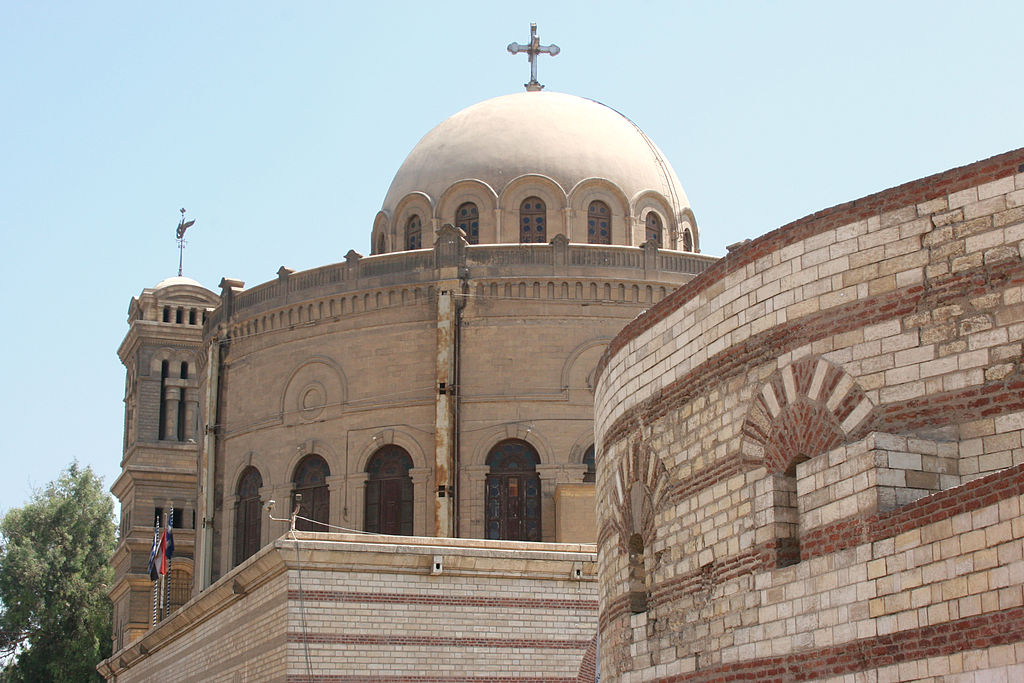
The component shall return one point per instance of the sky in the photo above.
(279, 126)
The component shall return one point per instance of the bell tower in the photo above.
(161, 448)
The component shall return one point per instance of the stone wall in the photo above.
(345, 607)
(811, 452)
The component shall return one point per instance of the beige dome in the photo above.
(176, 280)
(566, 138)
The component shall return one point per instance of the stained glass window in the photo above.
(414, 233)
(652, 229)
(599, 223)
(513, 492)
(533, 220)
(389, 492)
(311, 482)
(247, 515)
(588, 460)
(467, 218)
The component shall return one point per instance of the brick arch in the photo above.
(805, 408)
(638, 505)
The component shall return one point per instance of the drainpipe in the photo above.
(206, 474)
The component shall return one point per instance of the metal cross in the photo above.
(533, 49)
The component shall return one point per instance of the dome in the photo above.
(563, 138)
(176, 280)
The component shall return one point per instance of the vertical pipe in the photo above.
(206, 470)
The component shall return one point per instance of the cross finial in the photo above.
(533, 50)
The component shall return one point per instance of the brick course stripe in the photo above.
(971, 633)
(356, 678)
(450, 600)
(389, 640)
(777, 340)
(908, 194)
(968, 497)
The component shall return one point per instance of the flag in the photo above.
(153, 552)
(168, 542)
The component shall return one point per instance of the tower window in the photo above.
(599, 223)
(467, 219)
(414, 233)
(533, 220)
(687, 240)
(588, 459)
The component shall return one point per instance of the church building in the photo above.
(536, 435)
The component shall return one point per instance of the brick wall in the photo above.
(764, 428)
(375, 608)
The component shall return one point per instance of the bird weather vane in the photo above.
(183, 225)
(533, 50)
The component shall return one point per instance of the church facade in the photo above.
(803, 461)
(441, 386)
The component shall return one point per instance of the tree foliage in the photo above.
(55, 618)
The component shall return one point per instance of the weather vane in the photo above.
(180, 233)
(534, 49)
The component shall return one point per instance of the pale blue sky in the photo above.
(280, 125)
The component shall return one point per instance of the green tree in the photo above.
(55, 618)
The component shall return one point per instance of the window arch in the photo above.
(687, 240)
(467, 218)
(247, 515)
(599, 223)
(414, 233)
(588, 459)
(389, 498)
(381, 243)
(652, 228)
(310, 481)
(533, 220)
(513, 492)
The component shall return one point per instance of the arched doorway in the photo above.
(389, 499)
(310, 481)
(513, 492)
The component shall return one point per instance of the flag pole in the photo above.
(156, 604)
(167, 577)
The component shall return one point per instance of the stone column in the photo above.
(171, 401)
(549, 477)
(471, 500)
(422, 501)
(191, 410)
(356, 483)
(336, 496)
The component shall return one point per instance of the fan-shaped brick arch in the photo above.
(805, 408)
(641, 489)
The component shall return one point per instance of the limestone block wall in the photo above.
(787, 442)
(343, 607)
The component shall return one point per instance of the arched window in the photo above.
(381, 243)
(414, 233)
(599, 223)
(310, 482)
(652, 228)
(533, 220)
(588, 459)
(513, 492)
(388, 507)
(467, 218)
(687, 240)
(247, 515)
